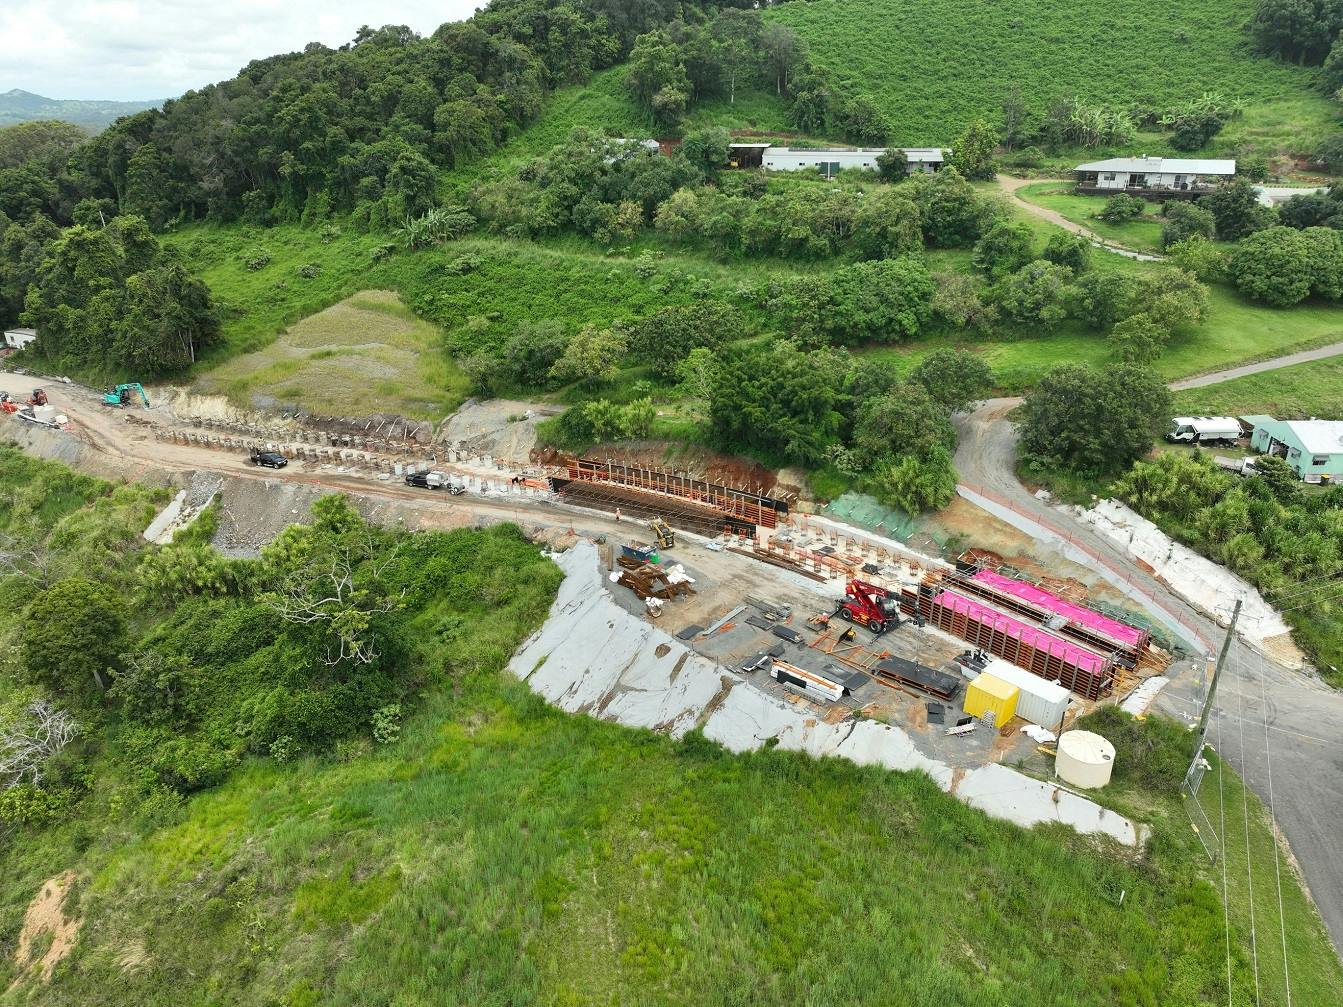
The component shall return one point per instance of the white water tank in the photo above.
(1084, 760)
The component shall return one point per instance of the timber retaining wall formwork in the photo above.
(744, 505)
(1072, 665)
(1091, 628)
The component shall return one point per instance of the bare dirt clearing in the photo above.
(367, 354)
(46, 916)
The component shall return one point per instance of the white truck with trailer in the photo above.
(1204, 430)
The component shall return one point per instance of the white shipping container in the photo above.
(1040, 701)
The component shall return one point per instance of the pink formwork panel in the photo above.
(1076, 655)
(1118, 631)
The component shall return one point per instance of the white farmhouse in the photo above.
(17, 339)
(1169, 177)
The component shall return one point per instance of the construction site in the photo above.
(972, 663)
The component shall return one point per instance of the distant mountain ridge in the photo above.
(23, 106)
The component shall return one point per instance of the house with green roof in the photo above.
(1313, 448)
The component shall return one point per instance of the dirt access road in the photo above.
(1011, 185)
(1290, 718)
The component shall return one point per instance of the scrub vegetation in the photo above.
(422, 829)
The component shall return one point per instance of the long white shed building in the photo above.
(829, 161)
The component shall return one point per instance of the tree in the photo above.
(1236, 210)
(884, 301)
(1200, 257)
(776, 397)
(904, 421)
(1121, 208)
(916, 484)
(1273, 266)
(1035, 294)
(72, 637)
(1139, 339)
(737, 33)
(706, 149)
(1175, 299)
(892, 165)
(959, 303)
(862, 120)
(973, 153)
(30, 742)
(886, 226)
(1184, 221)
(148, 193)
(1317, 209)
(1298, 31)
(592, 357)
(954, 378)
(1015, 114)
(532, 351)
(784, 51)
(47, 141)
(954, 215)
(667, 337)
(1102, 298)
(1192, 129)
(1092, 422)
(1070, 250)
(332, 579)
(1004, 249)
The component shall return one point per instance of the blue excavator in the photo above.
(122, 395)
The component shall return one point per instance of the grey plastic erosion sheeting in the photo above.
(594, 657)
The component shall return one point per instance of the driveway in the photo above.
(1291, 714)
(1010, 186)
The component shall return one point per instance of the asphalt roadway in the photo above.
(1289, 716)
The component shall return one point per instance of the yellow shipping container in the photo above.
(989, 693)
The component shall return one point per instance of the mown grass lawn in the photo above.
(1297, 392)
(1142, 234)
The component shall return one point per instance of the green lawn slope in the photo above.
(936, 65)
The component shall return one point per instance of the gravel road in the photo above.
(1010, 186)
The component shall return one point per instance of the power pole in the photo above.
(1216, 677)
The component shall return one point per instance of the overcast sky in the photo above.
(132, 50)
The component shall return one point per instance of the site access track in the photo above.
(1304, 717)
(1010, 186)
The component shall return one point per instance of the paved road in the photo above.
(1217, 377)
(1011, 185)
(1304, 717)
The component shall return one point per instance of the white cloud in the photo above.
(146, 49)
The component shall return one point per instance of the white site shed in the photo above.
(1154, 174)
(1039, 701)
(17, 339)
(829, 161)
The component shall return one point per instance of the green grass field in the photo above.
(505, 853)
(367, 354)
(1142, 234)
(1298, 392)
(936, 65)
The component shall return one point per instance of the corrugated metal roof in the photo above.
(1316, 437)
(924, 153)
(1163, 165)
